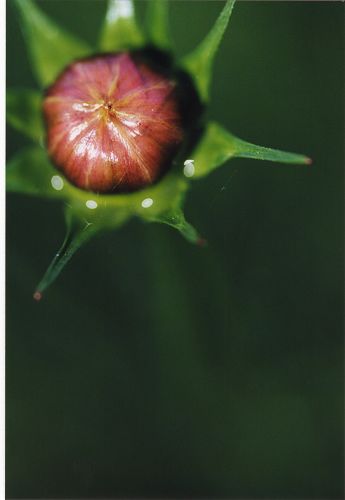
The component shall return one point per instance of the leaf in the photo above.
(24, 112)
(157, 23)
(50, 47)
(120, 30)
(217, 146)
(199, 62)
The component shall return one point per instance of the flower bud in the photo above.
(114, 122)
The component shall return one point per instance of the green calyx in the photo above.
(87, 214)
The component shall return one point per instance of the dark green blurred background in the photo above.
(153, 368)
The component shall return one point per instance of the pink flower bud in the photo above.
(113, 123)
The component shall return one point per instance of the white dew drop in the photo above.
(91, 204)
(56, 182)
(147, 203)
(189, 169)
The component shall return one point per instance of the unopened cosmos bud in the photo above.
(113, 123)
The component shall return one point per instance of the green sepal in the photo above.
(24, 112)
(120, 30)
(217, 146)
(176, 219)
(199, 62)
(88, 214)
(30, 172)
(51, 48)
(78, 232)
(157, 24)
